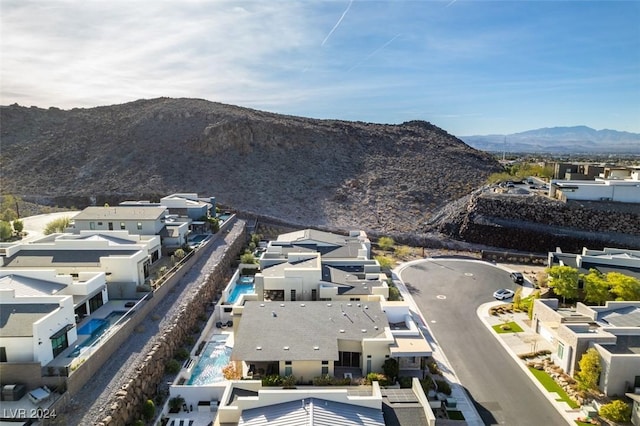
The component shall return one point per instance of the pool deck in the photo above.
(63, 360)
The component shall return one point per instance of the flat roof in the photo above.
(59, 258)
(410, 346)
(27, 286)
(126, 212)
(16, 319)
(291, 331)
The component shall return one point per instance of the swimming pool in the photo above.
(198, 238)
(214, 358)
(223, 217)
(238, 290)
(96, 327)
(244, 279)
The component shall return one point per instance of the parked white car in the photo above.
(503, 293)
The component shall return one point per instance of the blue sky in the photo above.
(469, 67)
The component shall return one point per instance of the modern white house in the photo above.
(608, 259)
(39, 310)
(613, 330)
(124, 259)
(312, 339)
(617, 185)
(314, 265)
(134, 219)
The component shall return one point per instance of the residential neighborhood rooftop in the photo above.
(16, 320)
(304, 331)
(131, 212)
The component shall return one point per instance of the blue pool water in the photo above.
(238, 290)
(245, 280)
(96, 327)
(213, 359)
(198, 238)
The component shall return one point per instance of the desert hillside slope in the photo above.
(338, 174)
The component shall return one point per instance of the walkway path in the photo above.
(89, 405)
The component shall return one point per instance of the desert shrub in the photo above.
(229, 372)
(172, 367)
(427, 384)
(617, 411)
(289, 381)
(391, 368)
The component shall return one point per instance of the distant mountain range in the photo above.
(559, 140)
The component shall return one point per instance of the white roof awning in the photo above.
(410, 346)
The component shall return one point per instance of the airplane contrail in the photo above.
(337, 23)
(451, 2)
(374, 52)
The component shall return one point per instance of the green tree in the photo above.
(6, 231)
(386, 243)
(391, 369)
(214, 224)
(385, 262)
(247, 257)
(517, 299)
(624, 286)
(590, 370)
(57, 225)
(564, 281)
(148, 410)
(617, 411)
(535, 295)
(18, 225)
(9, 214)
(596, 287)
(179, 254)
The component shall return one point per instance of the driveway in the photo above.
(34, 225)
(448, 293)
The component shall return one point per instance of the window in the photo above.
(59, 342)
(3, 354)
(95, 302)
(288, 369)
(139, 225)
(560, 350)
(92, 225)
(325, 368)
(110, 226)
(314, 294)
(122, 226)
(293, 295)
(354, 299)
(99, 223)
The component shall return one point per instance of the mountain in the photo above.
(336, 174)
(560, 140)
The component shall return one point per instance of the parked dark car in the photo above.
(517, 277)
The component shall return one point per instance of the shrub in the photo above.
(443, 386)
(18, 225)
(386, 243)
(172, 367)
(427, 384)
(405, 382)
(377, 377)
(272, 380)
(324, 380)
(182, 354)
(148, 410)
(289, 381)
(433, 368)
(391, 368)
(57, 225)
(230, 373)
(617, 411)
(175, 404)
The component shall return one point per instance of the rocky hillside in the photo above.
(337, 174)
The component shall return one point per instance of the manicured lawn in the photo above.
(551, 386)
(455, 415)
(513, 328)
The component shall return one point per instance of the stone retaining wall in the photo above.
(127, 403)
(540, 224)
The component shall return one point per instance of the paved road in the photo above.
(448, 293)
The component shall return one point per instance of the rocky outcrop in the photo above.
(384, 178)
(540, 224)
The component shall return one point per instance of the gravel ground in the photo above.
(89, 406)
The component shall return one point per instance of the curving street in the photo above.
(448, 293)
